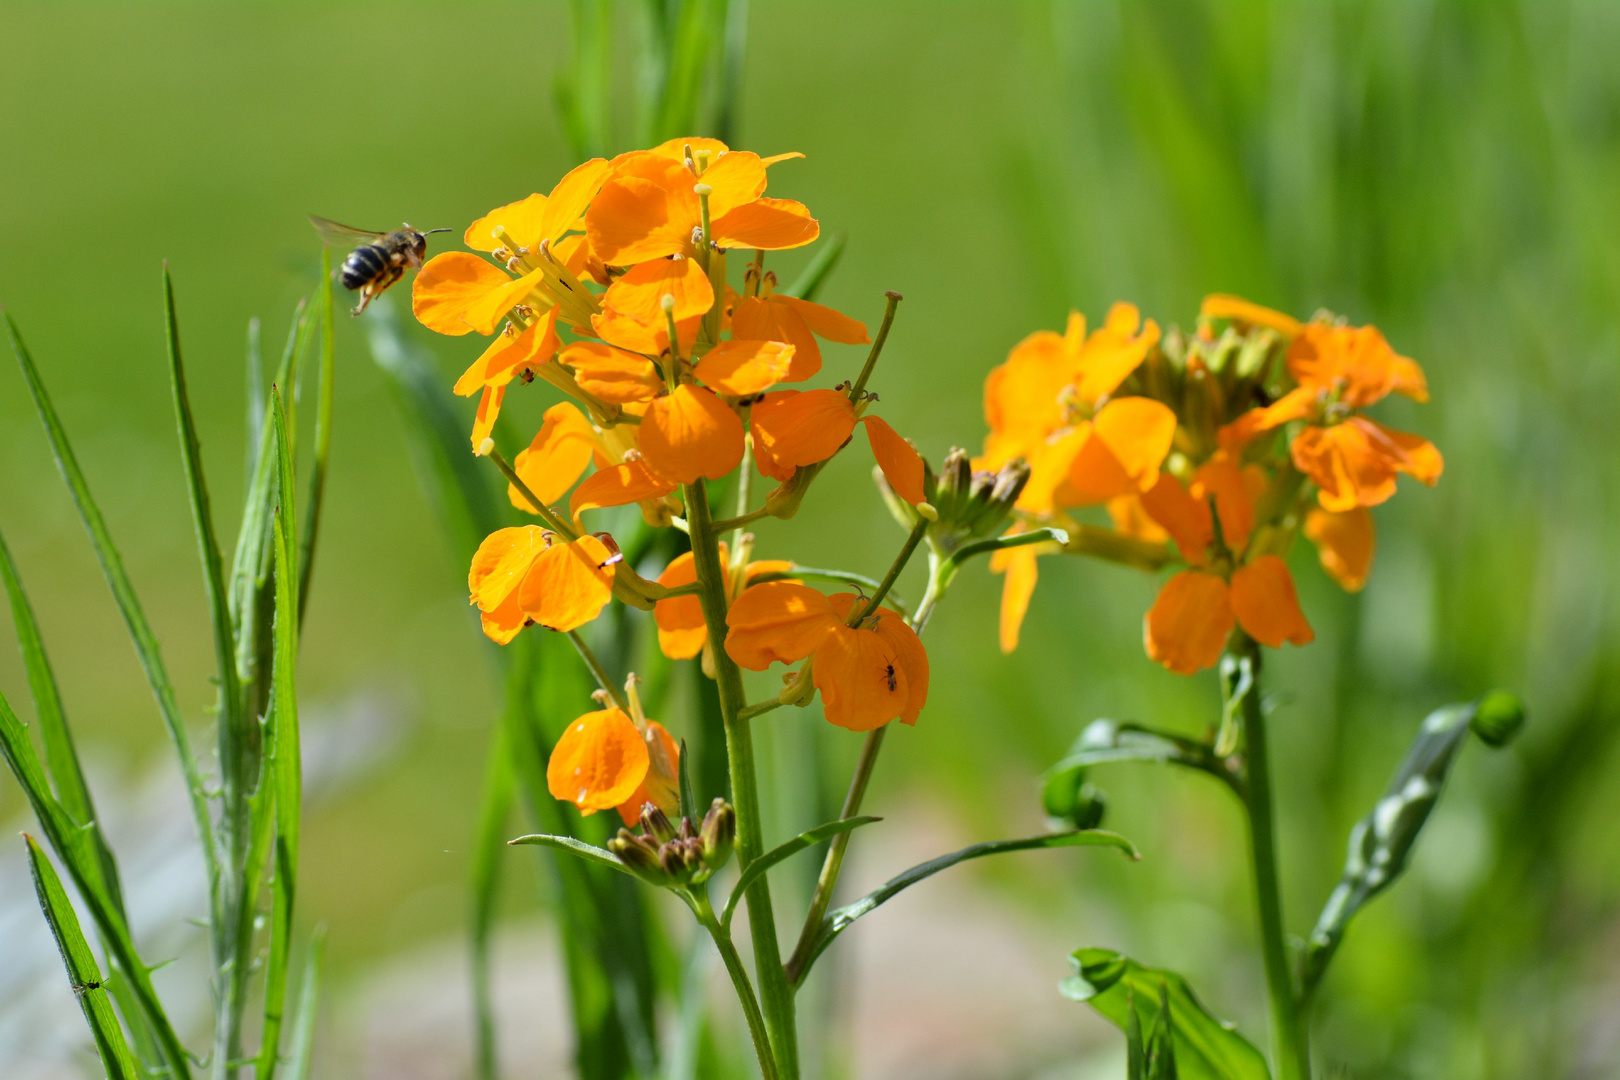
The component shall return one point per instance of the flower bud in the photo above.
(718, 835)
(1498, 717)
(640, 854)
(655, 823)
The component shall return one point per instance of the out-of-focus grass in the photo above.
(1449, 171)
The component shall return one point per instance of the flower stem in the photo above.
(739, 979)
(898, 565)
(547, 514)
(1240, 675)
(775, 992)
(894, 299)
(598, 672)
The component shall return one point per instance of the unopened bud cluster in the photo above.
(667, 854)
(968, 505)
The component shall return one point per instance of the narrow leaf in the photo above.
(1105, 741)
(146, 645)
(301, 1048)
(588, 852)
(323, 440)
(255, 399)
(83, 974)
(841, 919)
(764, 863)
(1203, 1048)
(809, 282)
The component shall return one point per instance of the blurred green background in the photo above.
(1447, 170)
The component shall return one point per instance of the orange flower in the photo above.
(867, 675)
(605, 760)
(690, 433)
(1353, 460)
(1188, 625)
(648, 208)
(525, 575)
(1344, 543)
(799, 427)
(682, 633)
(618, 485)
(555, 459)
(1239, 310)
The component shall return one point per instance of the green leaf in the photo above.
(764, 863)
(146, 646)
(1105, 741)
(285, 768)
(1381, 843)
(841, 919)
(83, 974)
(1204, 1048)
(323, 440)
(809, 282)
(255, 400)
(301, 1048)
(588, 852)
(61, 756)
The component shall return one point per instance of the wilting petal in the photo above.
(500, 562)
(520, 219)
(599, 761)
(777, 622)
(612, 375)
(1266, 606)
(740, 368)
(910, 656)
(681, 629)
(690, 433)
(1221, 479)
(1187, 626)
(1019, 564)
(1344, 543)
(569, 199)
(901, 464)
(1187, 520)
(1113, 352)
(568, 585)
(1237, 309)
(793, 428)
(618, 485)
(734, 178)
(766, 224)
(661, 785)
(774, 158)
(449, 285)
(862, 683)
(1130, 438)
(554, 460)
(641, 291)
(489, 407)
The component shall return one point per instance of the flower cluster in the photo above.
(1224, 443)
(613, 288)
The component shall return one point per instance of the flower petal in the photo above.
(660, 786)
(759, 319)
(910, 656)
(741, 368)
(1187, 626)
(734, 179)
(554, 460)
(777, 622)
(862, 682)
(1266, 605)
(793, 428)
(489, 407)
(681, 629)
(617, 485)
(1344, 543)
(640, 292)
(1130, 438)
(826, 322)
(500, 562)
(1297, 404)
(484, 313)
(901, 464)
(644, 212)
(1187, 520)
(448, 285)
(511, 352)
(520, 219)
(1237, 309)
(1113, 352)
(1348, 468)
(766, 224)
(1221, 479)
(568, 585)
(598, 762)
(569, 199)
(689, 434)
(1019, 564)
(612, 375)
(1021, 395)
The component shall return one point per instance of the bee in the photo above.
(378, 259)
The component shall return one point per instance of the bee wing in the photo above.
(343, 235)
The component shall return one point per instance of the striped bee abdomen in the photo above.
(364, 264)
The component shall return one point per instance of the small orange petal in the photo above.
(1266, 605)
(675, 149)
(1344, 542)
(640, 292)
(1348, 467)
(1021, 398)
(1111, 353)
(740, 368)
(1019, 564)
(1187, 626)
(489, 408)
(639, 337)
(661, 787)
(612, 375)
(1222, 480)
(520, 220)
(734, 179)
(862, 682)
(569, 199)
(793, 428)
(617, 485)
(901, 464)
(556, 458)
(448, 285)
(500, 562)
(758, 318)
(768, 225)
(1050, 463)
(1130, 438)
(1132, 519)
(1187, 520)
(598, 762)
(634, 218)
(777, 622)
(1297, 404)
(681, 629)
(689, 434)
(534, 346)
(909, 653)
(568, 584)
(1411, 454)
(485, 312)
(1237, 309)
(826, 322)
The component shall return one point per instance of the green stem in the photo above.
(547, 514)
(899, 564)
(775, 992)
(894, 299)
(1287, 1038)
(598, 672)
(728, 524)
(739, 979)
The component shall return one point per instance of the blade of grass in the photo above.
(285, 763)
(815, 275)
(83, 974)
(255, 399)
(583, 94)
(494, 810)
(61, 756)
(323, 441)
(71, 846)
(301, 1048)
(146, 645)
